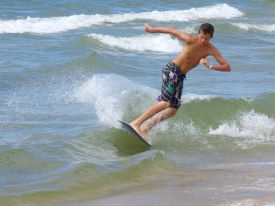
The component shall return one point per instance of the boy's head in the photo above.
(206, 32)
(207, 28)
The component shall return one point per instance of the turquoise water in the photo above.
(70, 69)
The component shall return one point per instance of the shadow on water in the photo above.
(125, 143)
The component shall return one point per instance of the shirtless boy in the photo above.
(195, 51)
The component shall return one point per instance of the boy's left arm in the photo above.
(223, 64)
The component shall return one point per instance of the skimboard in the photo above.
(133, 132)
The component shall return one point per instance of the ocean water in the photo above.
(70, 69)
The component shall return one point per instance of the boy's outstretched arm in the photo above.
(176, 33)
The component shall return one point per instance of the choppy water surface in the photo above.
(70, 69)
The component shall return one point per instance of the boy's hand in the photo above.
(148, 28)
(206, 63)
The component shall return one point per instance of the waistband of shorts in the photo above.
(178, 68)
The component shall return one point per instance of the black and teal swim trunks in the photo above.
(172, 85)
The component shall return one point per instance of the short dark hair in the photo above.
(207, 29)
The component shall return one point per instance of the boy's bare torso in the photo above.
(191, 55)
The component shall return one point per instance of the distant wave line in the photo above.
(260, 27)
(66, 23)
(156, 43)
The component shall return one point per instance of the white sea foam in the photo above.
(104, 96)
(66, 23)
(186, 98)
(249, 128)
(177, 128)
(111, 94)
(260, 27)
(157, 43)
(245, 202)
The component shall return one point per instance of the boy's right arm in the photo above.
(176, 33)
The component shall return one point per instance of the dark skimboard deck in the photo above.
(133, 132)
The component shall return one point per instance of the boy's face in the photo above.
(204, 38)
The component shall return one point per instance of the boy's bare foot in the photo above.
(143, 134)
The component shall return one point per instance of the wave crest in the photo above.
(156, 43)
(66, 23)
(249, 128)
(260, 27)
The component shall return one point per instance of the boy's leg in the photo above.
(151, 111)
(164, 114)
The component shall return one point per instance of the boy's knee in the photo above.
(169, 113)
(173, 111)
(166, 104)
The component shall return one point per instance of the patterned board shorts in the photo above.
(172, 85)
